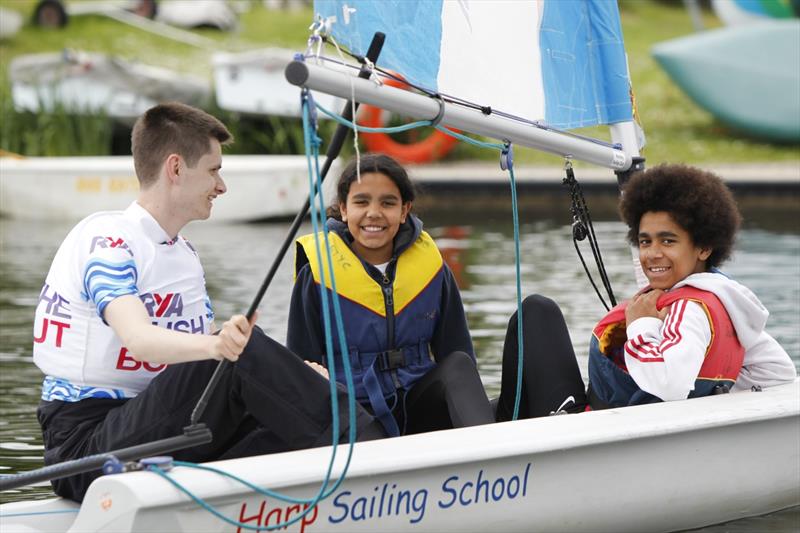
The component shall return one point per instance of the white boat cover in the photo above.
(10, 23)
(191, 14)
(99, 83)
(254, 82)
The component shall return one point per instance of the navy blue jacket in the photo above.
(306, 335)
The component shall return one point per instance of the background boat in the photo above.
(65, 188)
(735, 12)
(253, 82)
(10, 23)
(82, 82)
(747, 76)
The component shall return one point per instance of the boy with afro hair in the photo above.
(691, 332)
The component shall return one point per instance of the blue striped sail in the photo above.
(560, 62)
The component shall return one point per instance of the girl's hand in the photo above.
(232, 338)
(643, 305)
(321, 370)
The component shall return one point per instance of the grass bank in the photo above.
(676, 129)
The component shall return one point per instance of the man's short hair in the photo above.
(172, 128)
(697, 200)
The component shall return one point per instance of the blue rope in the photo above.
(514, 210)
(317, 218)
(470, 140)
(505, 147)
(208, 507)
(248, 484)
(343, 349)
(36, 513)
(353, 126)
(312, 142)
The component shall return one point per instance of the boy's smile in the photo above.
(202, 183)
(667, 252)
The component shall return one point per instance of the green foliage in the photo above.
(271, 134)
(55, 133)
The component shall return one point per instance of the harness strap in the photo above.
(379, 406)
(390, 360)
(384, 366)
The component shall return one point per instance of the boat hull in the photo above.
(746, 76)
(254, 82)
(658, 467)
(70, 188)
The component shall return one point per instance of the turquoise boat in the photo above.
(748, 77)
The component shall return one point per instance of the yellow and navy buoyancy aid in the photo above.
(609, 380)
(388, 325)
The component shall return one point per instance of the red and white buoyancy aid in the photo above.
(613, 386)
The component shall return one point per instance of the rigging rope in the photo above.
(582, 228)
(317, 219)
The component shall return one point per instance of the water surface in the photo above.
(479, 249)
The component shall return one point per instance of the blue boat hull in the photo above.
(748, 77)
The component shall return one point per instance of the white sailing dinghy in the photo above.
(657, 467)
(260, 187)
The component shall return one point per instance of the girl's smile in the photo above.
(373, 213)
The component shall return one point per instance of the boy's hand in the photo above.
(319, 368)
(643, 305)
(233, 337)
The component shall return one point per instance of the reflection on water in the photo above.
(480, 251)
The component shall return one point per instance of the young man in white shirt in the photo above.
(122, 328)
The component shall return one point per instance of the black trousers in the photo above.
(268, 401)
(550, 373)
(449, 396)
